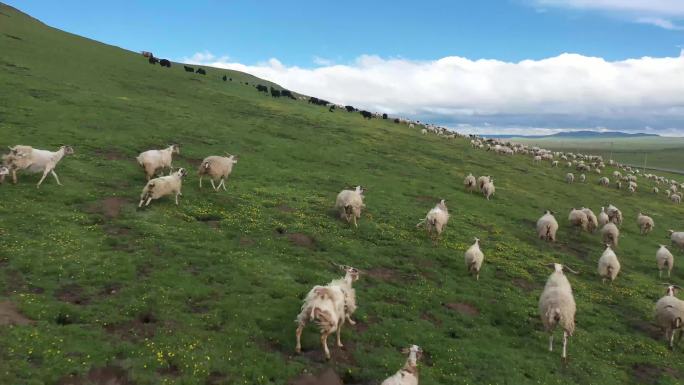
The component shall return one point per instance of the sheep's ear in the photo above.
(405, 351)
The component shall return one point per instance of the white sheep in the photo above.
(436, 219)
(157, 160)
(664, 259)
(554, 163)
(162, 186)
(582, 178)
(481, 181)
(655, 190)
(677, 238)
(349, 204)
(408, 374)
(578, 218)
(603, 217)
(676, 198)
(608, 265)
(610, 234)
(218, 168)
(569, 177)
(470, 183)
(547, 226)
(614, 215)
(423, 131)
(473, 259)
(604, 181)
(669, 313)
(645, 223)
(328, 306)
(488, 189)
(592, 221)
(33, 160)
(557, 306)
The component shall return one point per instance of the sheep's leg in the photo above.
(56, 177)
(324, 342)
(660, 274)
(201, 181)
(14, 176)
(668, 273)
(354, 221)
(565, 344)
(142, 201)
(551, 342)
(213, 185)
(339, 332)
(298, 334)
(47, 171)
(148, 201)
(351, 322)
(223, 183)
(177, 194)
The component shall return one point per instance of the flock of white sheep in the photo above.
(334, 304)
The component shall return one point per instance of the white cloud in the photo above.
(568, 90)
(321, 61)
(660, 13)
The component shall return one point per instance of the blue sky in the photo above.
(324, 47)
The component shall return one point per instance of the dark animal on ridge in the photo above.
(189, 69)
(153, 60)
(201, 71)
(165, 63)
(366, 114)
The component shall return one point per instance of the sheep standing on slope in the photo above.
(603, 217)
(614, 215)
(329, 306)
(470, 183)
(608, 265)
(436, 219)
(569, 177)
(481, 181)
(557, 306)
(669, 313)
(34, 160)
(162, 186)
(488, 189)
(645, 223)
(677, 238)
(547, 227)
(582, 178)
(610, 234)
(157, 160)
(349, 204)
(578, 219)
(592, 221)
(408, 375)
(664, 259)
(218, 168)
(604, 181)
(474, 258)
(676, 198)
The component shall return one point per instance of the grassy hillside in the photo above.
(659, 152)
(206, 292)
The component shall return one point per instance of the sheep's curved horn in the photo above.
(337, 265)
(570, 270)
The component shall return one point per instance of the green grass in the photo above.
(211, 288)
(664, 153)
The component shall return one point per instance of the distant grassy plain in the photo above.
(659, 152)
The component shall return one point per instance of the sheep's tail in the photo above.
(471, 267)
(553, 316)
(609, 269)
(140, 160)
(422, 222)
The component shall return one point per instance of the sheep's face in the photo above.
(68, 150)
(352, 272)
(414, 351)
(175, 148)
(4, 170)
(182, 172)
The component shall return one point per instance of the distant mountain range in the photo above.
(578, 135)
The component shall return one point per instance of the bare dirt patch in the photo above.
(216, 378)
(141, 327)
(650, 374)
(302, 240)
(325, 377)
(246, 242)
(111, 206)
(108, 375)
(524, 284)
(430, 318)
(427, 198)
(10, 315)
(111, 288)
(72, 293)
(170, 371)
(111, 154)
(384, 274)
(463, 308)
(285, 208)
